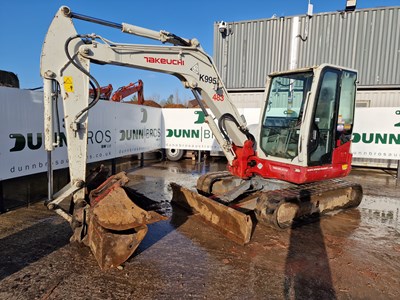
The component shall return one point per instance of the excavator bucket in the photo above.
(116, 225)
(234, 224)
(112, 249)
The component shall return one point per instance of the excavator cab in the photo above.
(304, 141)
(308, 120)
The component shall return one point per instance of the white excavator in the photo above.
(286, 171)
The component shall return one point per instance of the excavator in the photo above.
(131, 88)
(287, 170)
(105, 92)
(121, 93)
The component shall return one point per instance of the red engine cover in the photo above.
(247, 164)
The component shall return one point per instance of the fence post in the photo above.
(2, 207)
(141, 159)
(113, 166)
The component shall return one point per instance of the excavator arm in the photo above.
(65, 67)
(66, 58)
(105, 92)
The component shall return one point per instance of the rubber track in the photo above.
(302, 195)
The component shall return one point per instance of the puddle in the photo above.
(190, 167)
(380, 211)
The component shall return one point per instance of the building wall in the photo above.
(367, 40)
(364, 98)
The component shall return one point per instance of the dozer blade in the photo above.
(234, 224)
(280, 208)
(116, 225)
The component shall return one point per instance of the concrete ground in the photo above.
(353, 254)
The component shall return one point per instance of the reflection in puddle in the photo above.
(380, 221)
(381, 210)
(191, 166)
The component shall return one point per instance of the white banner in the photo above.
(119, 129)
(137, 129)
(115, 129)
(184, 128)
(376, 133)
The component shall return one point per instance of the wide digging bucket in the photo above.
(234, 224)
(116, 225)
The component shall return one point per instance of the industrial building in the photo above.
(367, 40)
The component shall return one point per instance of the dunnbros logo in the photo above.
(190, 133)
(201, 133)
(139, 134)
(34, 141)
(379, 138)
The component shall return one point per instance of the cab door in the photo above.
(332, 121)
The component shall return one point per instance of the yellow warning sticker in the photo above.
(345, 167)
(68, 84)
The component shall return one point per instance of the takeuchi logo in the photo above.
(164, 61)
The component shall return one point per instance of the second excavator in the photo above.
(285, 170)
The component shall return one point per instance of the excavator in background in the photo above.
(286, 170)
(105, 92)
(120, 93)
(125, 91)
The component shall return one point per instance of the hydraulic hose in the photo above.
(93, 82)
(57, 89)
(221, 125)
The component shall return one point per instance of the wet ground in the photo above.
(353, 254)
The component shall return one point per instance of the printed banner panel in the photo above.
(21, 133)
(119, 129)
(376, 133)
(109, 133)
(185, 128)
(137, 129)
